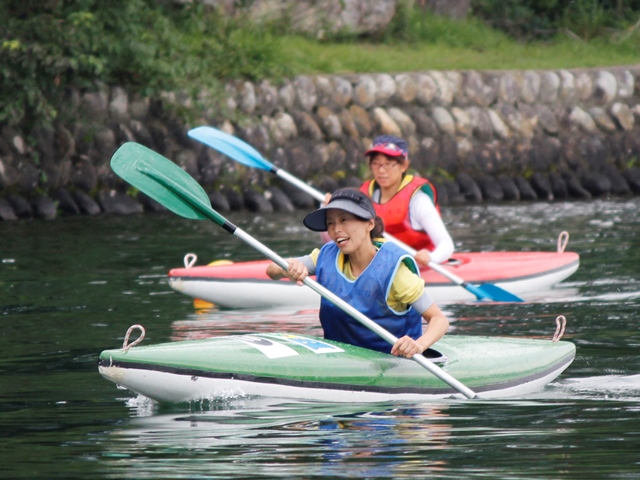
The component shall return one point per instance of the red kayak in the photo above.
(246, 285)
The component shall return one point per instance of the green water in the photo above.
(71, 288)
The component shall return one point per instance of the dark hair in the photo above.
(397, 159)
(378, 229)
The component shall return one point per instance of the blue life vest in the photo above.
(368, 294)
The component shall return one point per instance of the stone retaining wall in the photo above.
(479, 135)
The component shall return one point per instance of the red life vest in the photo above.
(395, 213)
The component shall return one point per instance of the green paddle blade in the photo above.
(164, 181)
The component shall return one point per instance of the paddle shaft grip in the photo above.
(229, 227)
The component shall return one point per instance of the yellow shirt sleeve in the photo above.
(407, 287)
(314, 255)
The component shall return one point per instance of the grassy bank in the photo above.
(311, 57)
(423, 42)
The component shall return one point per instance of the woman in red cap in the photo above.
(378, 278)
(408, 204)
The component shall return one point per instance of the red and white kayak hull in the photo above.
(246, 285)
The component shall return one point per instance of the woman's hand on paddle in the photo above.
(406, 347)
(438, 326)
(296, 272)
(423, 257)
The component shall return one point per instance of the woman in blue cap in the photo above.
(408, 204)
(377, 278)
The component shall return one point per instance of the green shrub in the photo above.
(586, 19)
(144, 45)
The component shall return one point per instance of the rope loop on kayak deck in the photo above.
(561, 323)
(126, 345)
(190, 260)
(563, 240)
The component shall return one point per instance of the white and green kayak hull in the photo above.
(311, 368)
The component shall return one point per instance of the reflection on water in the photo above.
(213, 322)
(375, 441)
(291, 438)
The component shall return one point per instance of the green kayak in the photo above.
(296, 366)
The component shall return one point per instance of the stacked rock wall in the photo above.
(479, 135)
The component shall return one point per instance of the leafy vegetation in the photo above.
(584, 19)
(150, 46)
(144, 45)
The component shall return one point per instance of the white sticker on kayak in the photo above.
(313, 344)
(270, 348)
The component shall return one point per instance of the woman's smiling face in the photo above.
(348, 231)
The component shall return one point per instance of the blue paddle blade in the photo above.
(231, 146)
(489, 291)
